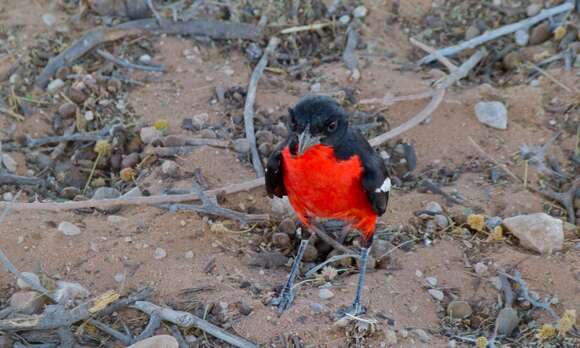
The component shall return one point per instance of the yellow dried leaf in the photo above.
(103, 147)
(496, 235)
(559, 33)
(476, 221)
(104, 300)
(546, 332)
(161, 124)
(481, 342)
(567, 322)
(127, 174)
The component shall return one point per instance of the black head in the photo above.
(316, 120)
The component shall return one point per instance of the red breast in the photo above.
(320, 185)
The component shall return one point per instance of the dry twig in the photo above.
(125, 64)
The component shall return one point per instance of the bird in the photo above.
(328, 170)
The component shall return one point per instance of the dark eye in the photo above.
(331, 127)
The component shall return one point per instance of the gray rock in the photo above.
(189, 254)
(421, 335)
(9, 163)
(7, 197)
(492, 222)
(54, 86)
(325, 294)
(432, 281)
(360, 12)
(507, 321)
(145, 59)
(539, 232)
(434, 207)
(150, 135)
(242, 146)
(533, 9)
(493, 114)
(436, 294)
(472, 32)
(480, 268)
(67, 292)
(159, 341)
(244, 308)
(107, 193)
(27, 302)
(159, 254)
(69, 229)
(522, 37)
(170, 168)
(316, 307)
(344, 20)
(315, 88)
(281, 206)
(31, 277)
(200, 120)
(459, 309)
(441, 221)
(119, 277)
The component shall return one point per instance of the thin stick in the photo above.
(501, 165)
(394, 249)
(125, 64)
(11, 179)
(126, 340)
(249, 106)
(389, 99)
(150, 200)
(314, 26)
(348, 54)
(154, 11)
(443, 60)
(89, 136)
(185, 319)
(329, 240)
(494, 34)
(332, 259)
(552, 78)
(12, 114)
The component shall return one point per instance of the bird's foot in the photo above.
(284, 301)
(355, 310)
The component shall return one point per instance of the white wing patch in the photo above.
(385, 187)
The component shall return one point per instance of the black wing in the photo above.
(375, 181)
(274, 177)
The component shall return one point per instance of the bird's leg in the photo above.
(286, 297)
(357, 308)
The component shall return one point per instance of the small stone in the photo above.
(436, 294)
(390, 337)
(344, 20)
(150, 135)
(131, 160)
(170, 168)
(315, 88)
(116, 219)
(229, 71)
(522, 37)
(159, 254)
(287, 226)
(189, 254)
(325, 294)
(54, 86)
(539, 232)
(513, 60)
(159, 341)
(174, 140)
(360, 12)
(200, 120)
(533, 9)
(107, 193)
(244, 308)
(459, 309)
(492, 222)
(69, 229)
(67, 292)
(281, 206)
(31, 277)
(89, 115)
(242, 146)
(432, 281)
(281, 240)
(7, 197)
(9, 163)
(48, 19)
(434, 207)
(540, 34)
(493, 114)
(145, 59)
(507, 321)
(480, 268)
(421, 335)
(496, 282)
(119, 277)
(441, 221)
(208, 134)
(472, 32)
(452, 344)
(310, 254)
(418, 273)
(27, 302)
(67, 110)
(316, 307)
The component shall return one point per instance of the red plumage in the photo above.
(320, 185)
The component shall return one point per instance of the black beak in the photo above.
(306, 141)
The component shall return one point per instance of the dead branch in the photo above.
(443, 60)
(11, 179)
(11, 113)
(125, 339)
(249, 105)
(525, 293)
(390, 99)
(152, 326)
(501, 165)
(176, 150)
(429, 185)
(8, 65)
(200, 141)
(150, 200)
(335, 258)
(140, 295)
(348, 56)
(566, 199)
(329, 240)
(494, 34)
(185, 319)
(67, 339)
(178, 336)
(125, 64)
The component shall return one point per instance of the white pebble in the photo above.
(69, 229)
(160, 253)
(48, 19)
(344, 19)
(325, 294)
(119, 277)
(9, 163)
(145, 59)
(432, 281)
(54, 86)
(189, 254)
(360, 12)
(89, 115)
(436, 294)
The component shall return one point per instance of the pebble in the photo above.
(492, 222)
(421, 335)
(480, 268)
(459, 309)
(281, 206)
(522, 37)
(533, 9)
(344, 20)
(200, 120)
(493, 114)
(315, 88)
(452, 344)
(159, 254)
(472, 32)
(229, 71)
(507, 320)
(436, 294)
(145, 59)
(159, 341)
(441, 221)
(107, 193)
(170, 168)
(66, 292)
(316, 307)
(539, 232)
(9, 163)
(390, 337)
(432, 281)
(496, 282)
(89, 115)
(54, 86)
(31, 277)
(242, 146)
(325, 294)
(131, 160)
(189, 254)
(310, 254)
(540, 34)
(244, 308)
(69, 229)
(7, 197)
(27, 302)
(287, 226)
(49, 19)
(67, 109)
(434, 207)
(150, 135)
(418, 274)
(119, 277)
(281, 240)
(360, 12)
